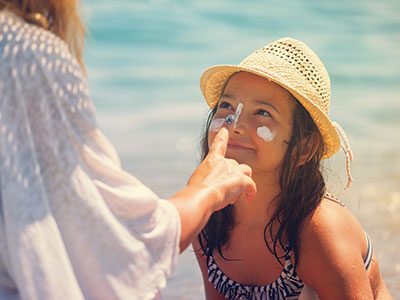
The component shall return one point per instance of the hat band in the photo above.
(344, 143)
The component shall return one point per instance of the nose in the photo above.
(238, 126)
(234, 121)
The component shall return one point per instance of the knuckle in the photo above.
(233, 162)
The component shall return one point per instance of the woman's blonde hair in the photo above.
(61, 17)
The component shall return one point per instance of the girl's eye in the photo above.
(225, 105)
(263, 113)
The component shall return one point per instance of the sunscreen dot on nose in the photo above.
(233, 118)
(238, 112)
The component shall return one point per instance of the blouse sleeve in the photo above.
(73, 223)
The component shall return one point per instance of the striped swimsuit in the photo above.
(287, 286)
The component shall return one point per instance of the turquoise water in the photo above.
(145, 57)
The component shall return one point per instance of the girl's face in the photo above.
(264, 121)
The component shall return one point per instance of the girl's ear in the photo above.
(307, 149)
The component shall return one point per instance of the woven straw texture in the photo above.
(294, 66)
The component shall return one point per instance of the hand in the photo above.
(217, 182)
(228, 179)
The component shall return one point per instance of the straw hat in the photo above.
(294, 66)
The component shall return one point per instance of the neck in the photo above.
(260, 209)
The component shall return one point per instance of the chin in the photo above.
(241, 159)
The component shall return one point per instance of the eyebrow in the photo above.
(229, 96)
(263, 102)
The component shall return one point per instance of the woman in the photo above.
(73, 224)
(275, 105)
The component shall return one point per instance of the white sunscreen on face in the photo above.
(265, 133)
(233, 118)
(237, 113)
(216, 124)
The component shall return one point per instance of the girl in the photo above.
(275, 104)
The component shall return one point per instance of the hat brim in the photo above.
(213, 81)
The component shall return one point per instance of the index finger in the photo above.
(220, 142)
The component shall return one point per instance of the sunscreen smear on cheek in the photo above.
(216, 124)
(265, 133)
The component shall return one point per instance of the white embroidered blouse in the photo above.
(73, 224)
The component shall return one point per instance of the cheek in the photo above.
(271, 143)
(265, 133)
(216, 124)
(214, 127)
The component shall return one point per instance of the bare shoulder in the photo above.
(331, 220)
(201, 258)
(210, 292)
(197, 249)
(332, 248)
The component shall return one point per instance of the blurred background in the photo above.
(144, 60)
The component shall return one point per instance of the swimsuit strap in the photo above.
(370, 251)
(368, 256)
(329, 196)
